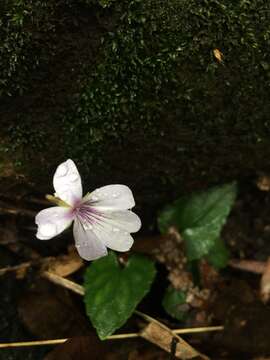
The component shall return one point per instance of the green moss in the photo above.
(159, 63)
(25, 135)
(103, 3)
(38, 40)
(21, 24)
(156, 84)
(21, 151)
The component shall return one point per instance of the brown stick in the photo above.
(68, 284)
(163, 337)
(31, 343)
(112, 337)
(257, 267)
(17, 211)
(26, 265)
(18, 198)
(22, 266)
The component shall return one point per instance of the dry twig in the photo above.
(59, 280)
(62, 266)
(257, 267)
(7, 210)
(112, 337)
(265, 283)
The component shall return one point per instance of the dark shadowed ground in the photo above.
(32, 308)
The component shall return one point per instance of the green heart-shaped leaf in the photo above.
(112, 292)
(173, 302)
(199, 218)
(218, 255)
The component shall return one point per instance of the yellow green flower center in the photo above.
(56, 200)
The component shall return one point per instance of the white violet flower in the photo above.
(101, 218)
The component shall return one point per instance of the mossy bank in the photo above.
(165, 96)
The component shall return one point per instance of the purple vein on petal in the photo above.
(87, 214)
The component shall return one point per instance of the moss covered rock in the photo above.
(160, 63)
(175, 96)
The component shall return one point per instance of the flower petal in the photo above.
(67, 182)
(52, 221)
(111, 197)
(88, 244)
(124, 220)
(114, 238)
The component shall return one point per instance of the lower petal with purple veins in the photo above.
(87, 243)
(87, 215)
(113, 237)
(112, 228)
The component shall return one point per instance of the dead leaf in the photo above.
(64, 265)
(171, 252)
(265, 283)
(21, 272)
(263, 183)
(163, 337)
(48, 312)
(208, 274)
(218, 55)
(257, 267)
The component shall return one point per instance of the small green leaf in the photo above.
(173, 302)
(219, 254)
(112, 292)
(199, 218)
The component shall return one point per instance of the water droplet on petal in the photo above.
(115, 230)
(115, 195)
(48, 229)
(94, 198)
(78, 246)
